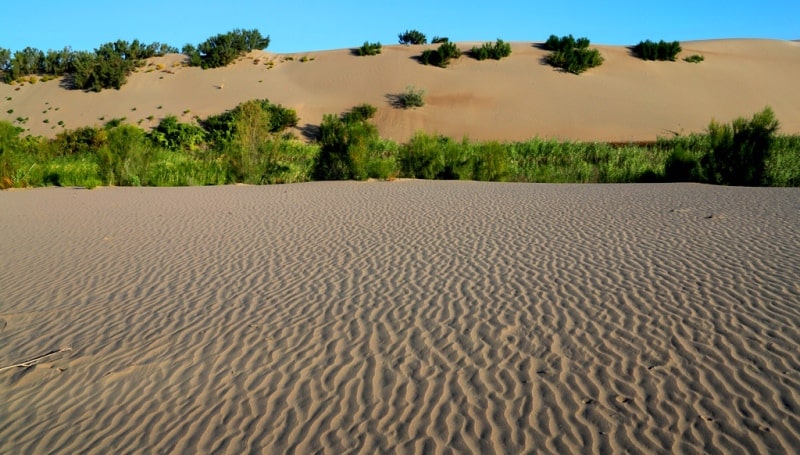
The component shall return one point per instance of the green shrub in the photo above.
(695, 58)
(81, 140)
(359, 113)
(494, 51)
(222, 127)
(682, 166)
(222, 49)
(571, 55)
(369, 49)
(442, 56)
(440, 40)
(345, 144)
(412, 37)
(412, 97)
(662, 50)
(740, 150)
(173, 135)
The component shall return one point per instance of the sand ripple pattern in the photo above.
(401, 317)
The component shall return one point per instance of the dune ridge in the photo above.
(406, 316)
(517, 98)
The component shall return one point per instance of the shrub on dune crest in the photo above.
(369, 49)
(494, 51)
(412, 37)
(571, 55)
(442, 56)
(662, 50)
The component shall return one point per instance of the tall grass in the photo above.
(350, 148)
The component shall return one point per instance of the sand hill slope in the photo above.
(626, 99)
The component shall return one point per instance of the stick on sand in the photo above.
(36, 359)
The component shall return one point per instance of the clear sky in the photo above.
(309, 25)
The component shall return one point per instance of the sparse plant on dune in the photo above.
(571, 55)
(412, 37)
(495, 51)
(441, 56)
(662, 50)
(695, 58)
(369, 49)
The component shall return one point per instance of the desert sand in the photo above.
(400, 317)
(517, 98)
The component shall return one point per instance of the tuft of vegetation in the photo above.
(442, 56)
(369, 49)
(694, 58)
(440, 40)
(222, 128)
(223, 49)
(740, 150)
(411, 98)
(662, 50)
(495, 51)
(412, 37)
(173, 135)
(571, 55)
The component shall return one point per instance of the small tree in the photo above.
(412, 37)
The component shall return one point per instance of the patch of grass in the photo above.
(10, 111)
(695, 58)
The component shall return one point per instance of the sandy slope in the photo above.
(516, 98)
(405, 316)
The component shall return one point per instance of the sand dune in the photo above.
(406, 316)
(626, 99)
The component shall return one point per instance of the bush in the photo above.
(695, 58)
(369, 49)
(571, 55)
(173, 135)
(740, 150)
(442, 56)
(345, 144)
(412, 98)
(359, 113)
(222, 49)
(662, 50)
(440, 40)
(682, 166)
(223, 127)
(494, 51)
(78, 141)
(412, 37)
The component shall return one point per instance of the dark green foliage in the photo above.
(682, 166)
(369, 49)
(86, 139)
(740, 150)
(57, 63)
(440, 40)
(359, 113)
(5, 59)
(494, 51)
(412, 37)
(662, 50)
(349, 147)
(222, 49)
(23, 63)
(222, 127)
(571, 55)
(695, 58)
(173, 135)
(442, 56)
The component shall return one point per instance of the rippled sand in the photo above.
(406, 316)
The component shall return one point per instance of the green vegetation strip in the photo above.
(249, 144)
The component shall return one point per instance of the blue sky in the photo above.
(319, 25)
